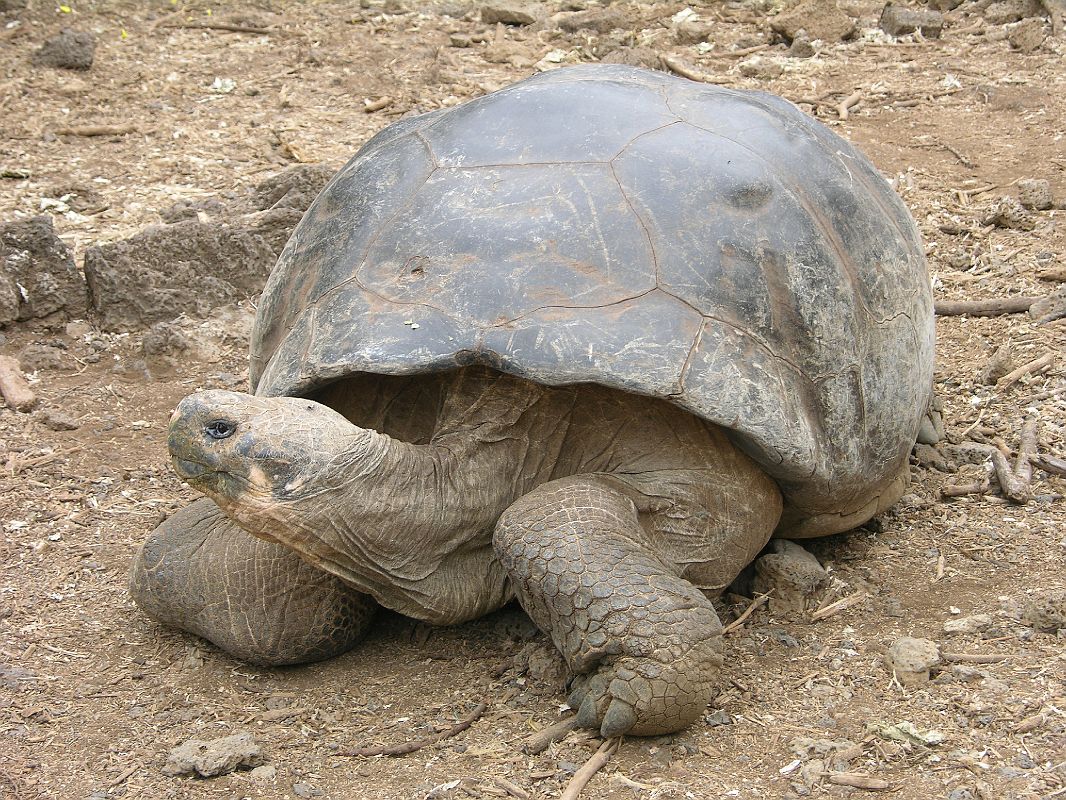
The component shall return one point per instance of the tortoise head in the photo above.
(256, 455)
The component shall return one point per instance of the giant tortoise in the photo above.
(589, 341)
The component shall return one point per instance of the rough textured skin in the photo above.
(589, 341)
(644, 643)
(256, 600)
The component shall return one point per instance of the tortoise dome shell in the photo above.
(606, 224)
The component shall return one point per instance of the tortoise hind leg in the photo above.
(258, 601)
(643, 643)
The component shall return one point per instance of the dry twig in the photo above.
(588, 769)
(418, 744)
(972, 658)
(848, 103)
(859, 780)
(539, 741)
(1050, 464)
(839, 605)
(995, 307)
(756, 603)
(14, 388)
(692, 73)
(963, 489)
(1035, 365)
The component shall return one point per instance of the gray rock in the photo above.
(1007, 11)
(56, 420)
(912, 659)
(68, 50)
(1046, 611)
(761, 67)
(971, 624)
(635, 57)
(597, 20)
(215, 757)
(932, 458)
(898, 21)
(821, 19)
(792, 575)
(163, 271)
(1035, 193)
(38, 277)
(8, 6)
(508, 13)
(801, 46)
(1027, 36)
(36, 357)
(1007, 212)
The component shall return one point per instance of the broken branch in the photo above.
(418, 744)
(14, 388)
(995, 307)
(1035, 365)
(539, 741)
(756, 603)
(588, 769)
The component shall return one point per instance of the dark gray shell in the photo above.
(607, 224)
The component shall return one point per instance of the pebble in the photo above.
(973, 624)
(1008, 212)
(1035, 193)
(820, 20)
(899, 21)
(215, 757)
(56, 420)
(761, 67)
(791, 574)
(508, 14)
(912, 659)
(1027, 36)
(69, 49)
(1046, 611)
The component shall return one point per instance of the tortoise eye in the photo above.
(220, 429)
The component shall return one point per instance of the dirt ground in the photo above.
(93, 695)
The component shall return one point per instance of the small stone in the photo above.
(1035, 193)
(216, 757)
(997, 366)
(945, 5)
(693, 31)
(56, 420)
(598, 21)
(801, 46)
(1046, 611)
(912, 659)
(717, 718)
(1027, 36)
(644, 57)
(306, 790)
(960, 794)
(898, 21)
(460, 40)
(1007, 11)
(68, 50)
(761, 67)
(972, 624)
(821, 19)
(1007, 212)
(264, 774)
(508, 14)
(930, 457)
(791, 575)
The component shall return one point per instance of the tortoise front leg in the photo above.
(643, 643)
(258, 601)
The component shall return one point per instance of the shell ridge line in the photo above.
(533, 311)
(649, 240)
(676, 121)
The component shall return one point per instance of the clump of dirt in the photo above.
(186, 108)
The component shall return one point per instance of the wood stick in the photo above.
(744, 51)
(512, 789)
(1027, 444)
(1053, 274)
(1035, 365)
(14, 388)
(839, 605)
(849, 103)
(963, 489)
(972, 658)
(1043, 396)
(418, 744)
(995, 307)
(588, 769)
(685, 71)
(1013, 489)
(859, 780)
(756, 603)
(1050, 464)
(539, 741)
(377, 105)
(97, 130)
(231, 27)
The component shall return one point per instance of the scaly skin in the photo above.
(254, 599)
(606, 514)
(644, 644)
